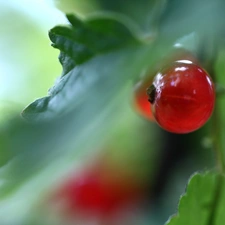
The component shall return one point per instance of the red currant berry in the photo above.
(182, 97)
(141, 103)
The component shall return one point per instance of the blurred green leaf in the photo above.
(22, 41)
(143, 14)
(205, 17)
(80, 7)
(203, 202)
(173, 18)
(219, 123)
(82, 106)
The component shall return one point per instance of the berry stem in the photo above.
(151, 94)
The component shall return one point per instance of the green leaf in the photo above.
(81, 106)
(78, 44)
(203, 202)
(84, 39)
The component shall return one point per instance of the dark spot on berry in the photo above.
(151, 94)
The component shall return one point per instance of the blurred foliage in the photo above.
(80, 7)
(219, 128)
(21, 45)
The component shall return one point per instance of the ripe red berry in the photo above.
(140, 96)
(182, 97)
(141, 99)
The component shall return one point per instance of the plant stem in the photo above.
(209, 56)
(218, 152)
(216, 132)
(216, 199)
(217, 145)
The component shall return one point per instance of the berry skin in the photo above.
(141, 99)
(182, 97)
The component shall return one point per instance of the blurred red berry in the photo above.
(141, 103)
(91, 193)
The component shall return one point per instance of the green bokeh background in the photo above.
(35, 157)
